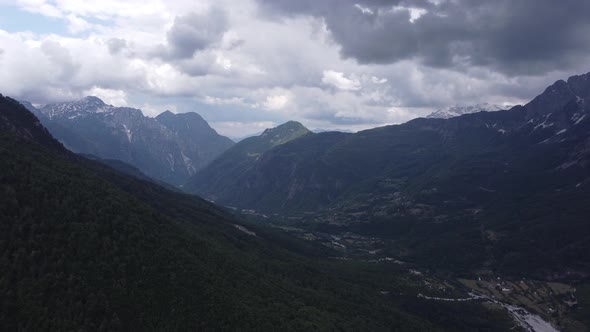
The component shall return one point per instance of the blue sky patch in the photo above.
(14, 19)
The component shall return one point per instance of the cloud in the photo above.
(112, 97)
(115, 45)
(238, 129)
(377, 80)
(77, 24)
(224, 101)
(414, 12)
(195, 32)
(152, 110)
(329, 63)
(527, 37)
(275, 102)
(60, 57)
(41, 6)
(364, 10)
(338, 80)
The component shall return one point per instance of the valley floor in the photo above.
(534, 305)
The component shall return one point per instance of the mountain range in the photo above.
(170, 147)
(505, 190)
(86, 247)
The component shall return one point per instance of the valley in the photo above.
(535, 305)
(89, 247)
(279, 165)
(427, 228)
(491, 203)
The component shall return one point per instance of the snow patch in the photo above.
(454, 111)
(545, 141)
(128, 132)
(544, 125)
(188, 163)
(170, 161)
(72, 110)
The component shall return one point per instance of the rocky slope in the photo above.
(169, 148)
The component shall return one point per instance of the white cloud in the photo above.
(245, 72)
(77, 24)
(40, 6)
(239, 129)
(223, 62)
(415, 13)
(224, 101)
(152, 110)
(378, 80)
(364, 10)
(337, 79)
(112, 97)
(275, 102)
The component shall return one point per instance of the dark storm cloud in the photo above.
(510, 36)
(194, 32)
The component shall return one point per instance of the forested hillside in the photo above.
(83, 247)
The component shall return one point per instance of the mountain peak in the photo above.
(73, 109)
(454, 111)
(165, 114)
(285, 129)
(580, 85)
(289, 125)
(92, 100)
(559, 94)
(189, 122)
(181, 116)
(285, 132)
(293, 124)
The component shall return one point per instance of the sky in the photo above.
(246, 65)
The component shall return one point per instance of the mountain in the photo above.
(321, 130)
(453, 111)
(226, 170)
(169, 148)
(506, 190)
(16, 120)
(85, 247)
(196, 135)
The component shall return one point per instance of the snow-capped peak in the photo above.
(453, 111)
(77, 108)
